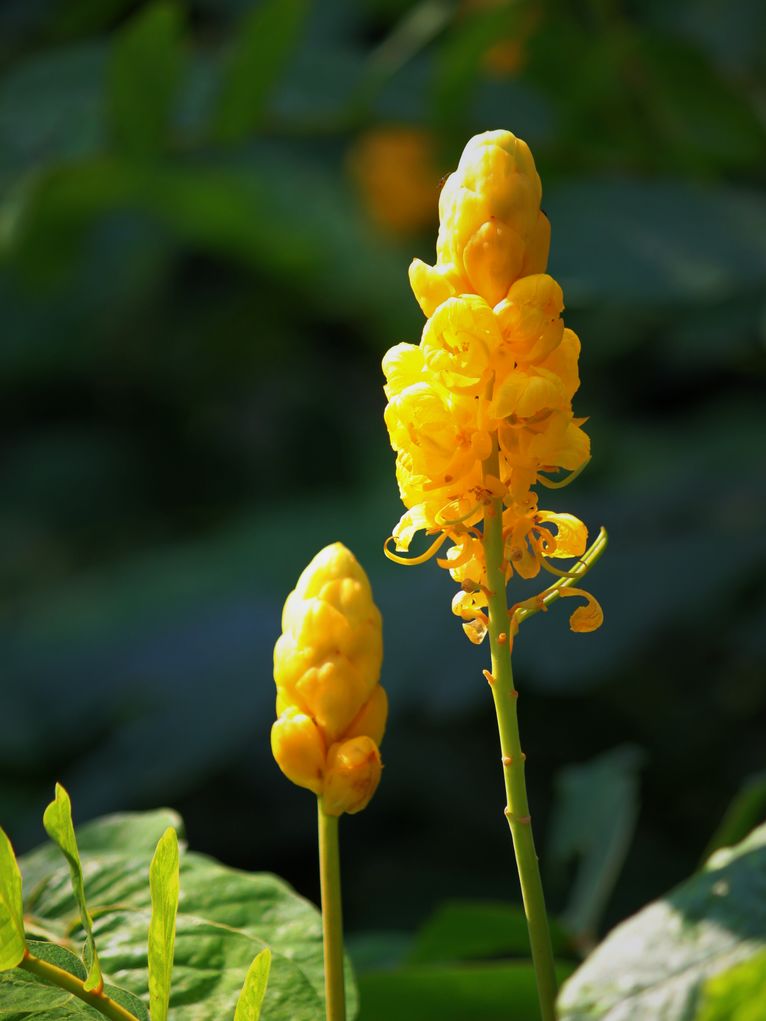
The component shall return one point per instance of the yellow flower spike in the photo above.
(478, 414)
(352, 777)
(326, 666)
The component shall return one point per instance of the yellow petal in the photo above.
(371, 719)
(352, 776)
(299, 750)
(585, 618)
(571, 538)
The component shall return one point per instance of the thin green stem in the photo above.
(64, 980)
(517, 808)
(332, 915)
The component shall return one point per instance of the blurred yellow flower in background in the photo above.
(396, 172)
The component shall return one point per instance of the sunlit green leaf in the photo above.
(12, 944)
(65, 959)
(264, 41)
(163, 883)
(57, 821)
(253, 991)
(653, 966)
(738, 994)
(225, 916)
(144, 74)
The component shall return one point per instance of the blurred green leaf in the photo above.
(57, 821)
(163, 884)
(705, 123)
(481, 992)
(12, 943)
(265, 40)
(458, 62)
(144, 74)
(655, 241)
(746, 811)
(652, 967)
(594, 816)
(253, 991)
(51, 109)
(225, 916)
(466, 930)
(738, 994)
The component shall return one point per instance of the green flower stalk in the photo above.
(480, 414)
(331, 717)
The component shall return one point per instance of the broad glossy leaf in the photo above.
(163, 886)
(12, 943)
(45, 1000)
(481, 992)
(226, 917)
(466, 930)
(653, 966)
(263, 43)
(594, 816)
(144, 75)
(738, 994)
(253, 991)
(57, 821)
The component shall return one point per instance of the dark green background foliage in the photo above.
(194, 306)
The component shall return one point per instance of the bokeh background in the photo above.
(207, 210)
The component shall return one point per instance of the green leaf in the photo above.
(594, 816)
(481, 992)
(465, 930)
(253, 991)
(737, 994)
(163, 883)
(144, 75)
(12, 943)
(124, 832)
(653, 966)
(24, 996)
(745, 811)
(225, 918)
(265, 40)
(68, 961)
(57, 821)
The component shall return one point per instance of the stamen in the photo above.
(414, 561)
(553, 484)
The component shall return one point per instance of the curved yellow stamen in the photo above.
(553, 484)
(414, 561)
(457, 521)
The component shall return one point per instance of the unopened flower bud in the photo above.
(352, 776)
(326, 667)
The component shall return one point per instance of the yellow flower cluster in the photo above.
(331, 708)
(491, 382)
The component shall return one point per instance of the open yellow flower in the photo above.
(495, 368)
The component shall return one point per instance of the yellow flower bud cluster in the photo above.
(331, 708)
(495, 370)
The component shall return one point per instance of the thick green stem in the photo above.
(64, 980)
(517, 808)
(332, 915)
